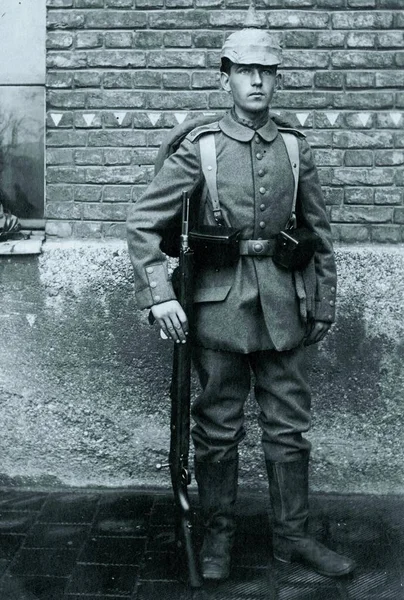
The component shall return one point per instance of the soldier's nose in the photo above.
(256, 78)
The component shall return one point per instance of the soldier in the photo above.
(252, 315)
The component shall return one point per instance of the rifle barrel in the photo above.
(180, 407)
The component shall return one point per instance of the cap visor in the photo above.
(252, 57)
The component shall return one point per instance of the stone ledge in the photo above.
(32, 244)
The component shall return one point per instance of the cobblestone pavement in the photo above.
(109, 545)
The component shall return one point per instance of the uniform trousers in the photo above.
(281, 390)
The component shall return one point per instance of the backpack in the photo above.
(170, 236)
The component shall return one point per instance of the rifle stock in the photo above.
(180, 393)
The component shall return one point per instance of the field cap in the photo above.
(251, 46)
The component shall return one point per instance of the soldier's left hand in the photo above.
(316, 332)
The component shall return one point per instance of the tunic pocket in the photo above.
(213, 285)
(216, 294)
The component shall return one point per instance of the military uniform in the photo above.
(249, 316)
(253, 306)
(260, 301)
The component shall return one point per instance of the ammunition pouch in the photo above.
(294, 248)
(215, 245)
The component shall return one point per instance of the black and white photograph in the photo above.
(202, 299)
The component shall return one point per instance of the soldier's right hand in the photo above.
(172, 320)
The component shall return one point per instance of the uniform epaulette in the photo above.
(198, 131)
(296, 132)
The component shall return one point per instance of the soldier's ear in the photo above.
(224, 80)
(278, 81)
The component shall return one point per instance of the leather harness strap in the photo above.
(292, 148)
(209, 169)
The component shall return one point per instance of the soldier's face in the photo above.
(252, 87)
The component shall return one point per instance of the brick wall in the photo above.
(120, 72)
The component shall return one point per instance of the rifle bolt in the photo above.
(160, 466)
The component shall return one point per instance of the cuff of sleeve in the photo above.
(325, 313)
(325, 304)
(159, 289)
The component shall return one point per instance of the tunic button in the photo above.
(333, 289)
(149, 270)
(258, 247)
(157, 298)
(262, 206)
(153, 284)
(262, 190)
(257, 139)
(262, 224)
(331, 302)
(261, 172)
(259, 155)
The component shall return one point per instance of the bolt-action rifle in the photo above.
(180, 393)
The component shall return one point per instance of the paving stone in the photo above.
(22, 501)
(9, 544)
(103, 579)
(126, 504)
(16, 522)
(53, 535)
(243, 584)
(45, 562)
(110, 545)
(377, 585)
(32, 588)
(136, 527)
(4, 564)
(123, 516)
(161, 539)
(69, 508)
(113, 550)
(160, 565)
(330, 592)
(163, 590)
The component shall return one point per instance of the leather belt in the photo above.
(257, 247)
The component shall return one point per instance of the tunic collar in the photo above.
(240, 132)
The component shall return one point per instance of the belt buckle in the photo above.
(257, 247)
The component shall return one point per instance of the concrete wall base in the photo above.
(84, 379)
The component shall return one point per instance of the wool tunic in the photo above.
(253, 305)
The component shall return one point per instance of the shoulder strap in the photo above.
(189, 128)
(207, 147)
(292, 148)
(205, 128)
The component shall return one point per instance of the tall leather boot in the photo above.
(288, 486)
(217, 486)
